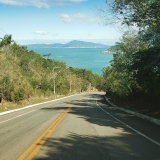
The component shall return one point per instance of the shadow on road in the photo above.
(77, 147)
(120, 146)
(88, 110)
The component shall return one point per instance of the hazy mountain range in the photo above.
(72, 44)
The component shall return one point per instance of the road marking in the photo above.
(35, 147)
(33, 105)
(17, 116)
(155, 142)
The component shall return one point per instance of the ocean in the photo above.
(86, 58)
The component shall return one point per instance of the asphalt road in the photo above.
(80, 127)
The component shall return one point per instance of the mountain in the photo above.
(72, 44)
(82, 44)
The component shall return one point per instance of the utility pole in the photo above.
(80, 85)
(70, 81)
(70, 84)
(54, 83)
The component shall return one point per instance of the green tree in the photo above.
(144, 14)
(6, 40)
(47, 55)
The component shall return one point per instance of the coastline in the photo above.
(107, 52)
(86, 58)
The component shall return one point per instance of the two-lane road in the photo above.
(78, 127)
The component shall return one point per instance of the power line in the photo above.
(5, 34)
(3, 31)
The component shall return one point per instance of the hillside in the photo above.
(26, 74)
(72, 44)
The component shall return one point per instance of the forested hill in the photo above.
(26, 73)
(72, 44)
(134, 74)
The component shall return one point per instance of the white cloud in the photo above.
(40, 3)
(66, 18)
(10, 2)
(80, 16)
(76, 17)
(41, 32)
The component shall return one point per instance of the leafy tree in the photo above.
(7, 40)
(146, 71)
(29, 74)
(19, 94)
(6, 87)
(48, 55)
(143, 14)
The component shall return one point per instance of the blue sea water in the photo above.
(87, 58)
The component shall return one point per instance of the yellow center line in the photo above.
(35, 147)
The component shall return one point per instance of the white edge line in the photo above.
(15, 110)
(17, 116)
(130, 127)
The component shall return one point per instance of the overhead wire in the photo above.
(5, 33)
(1, 33)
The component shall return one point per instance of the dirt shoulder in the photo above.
(6, 106)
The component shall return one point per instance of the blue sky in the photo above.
(54, 21)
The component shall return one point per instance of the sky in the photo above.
(55, 21)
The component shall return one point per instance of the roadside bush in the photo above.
(19, 94)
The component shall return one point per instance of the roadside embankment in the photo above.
(151, 119)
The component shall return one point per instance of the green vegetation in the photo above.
(25, 74)
(134, 74)
(115, 49)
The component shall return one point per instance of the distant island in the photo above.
(72, 44)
